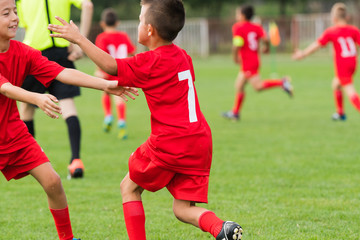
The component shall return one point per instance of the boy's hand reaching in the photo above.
(298, 54)
(68, 31)
(47, 103)
(123, 92)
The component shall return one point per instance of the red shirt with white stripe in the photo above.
(180, 137)
(117, 44)
(344, 40)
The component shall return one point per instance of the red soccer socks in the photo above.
(62, 223)
(272, 83)
(339, 102)
(209, 222)
(239, 98)
(106, 102)
(135, 220)
(355, 100)
(121, 110)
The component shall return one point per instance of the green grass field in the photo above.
(285, 171)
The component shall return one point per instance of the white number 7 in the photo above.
(186, 75)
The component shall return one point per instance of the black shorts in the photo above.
(56, 88)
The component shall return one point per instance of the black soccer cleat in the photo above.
(230, 231)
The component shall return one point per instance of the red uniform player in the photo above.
(20, 155)
(344, 38)
(118, 45)
(246, 40)
(178, 153)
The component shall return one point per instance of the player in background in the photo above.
(118, 45)
(247, 37)
(35, 15)
(178, 153)
(20, 154)
(344, 38)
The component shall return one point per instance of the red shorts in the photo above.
(345, 73)
(153, 178)
(17, 164)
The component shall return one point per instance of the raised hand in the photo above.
(47, 103)
(68, 31)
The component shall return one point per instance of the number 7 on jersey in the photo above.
(186, 75)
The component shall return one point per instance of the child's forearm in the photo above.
(86, 17)
(311, 49)
(18, 93)
(102, 59)
(75, 77)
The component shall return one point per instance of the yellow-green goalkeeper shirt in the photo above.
(35, 15)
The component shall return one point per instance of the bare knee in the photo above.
(130, 191)
(53, 184)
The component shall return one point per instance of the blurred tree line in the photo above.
(129, 9)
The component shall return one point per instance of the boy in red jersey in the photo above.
(344, 38)
(20, 154)
(178, 153)
(118, 45)
(246, 41)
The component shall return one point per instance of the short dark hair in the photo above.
(247, 11)
(109, 16)
(166, 16)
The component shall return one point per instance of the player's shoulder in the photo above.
(21, 48)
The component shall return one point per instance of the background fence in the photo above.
(202, 37)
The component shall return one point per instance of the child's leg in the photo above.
(259, 85)
(338, 96)
(121, 108)
(352, 94)
(51, 183)
(106, 103)
(240, 84)
(69, 113)
(133, 209)
(204, 219)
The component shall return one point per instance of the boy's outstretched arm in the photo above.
(75, 77)
(300, 54)
(45, 102)
(70, 32)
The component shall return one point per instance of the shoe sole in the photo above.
(78, 173)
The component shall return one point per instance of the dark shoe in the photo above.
(230, 231)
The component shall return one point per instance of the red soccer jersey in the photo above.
(180, 137)
(344, 40)
(251, 34)
(15, 64)
(117, 44)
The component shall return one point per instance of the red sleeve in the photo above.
(234, 30)
(3, 80)
(42, 69)
(135, 71)
(324, 38)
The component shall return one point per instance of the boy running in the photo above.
(20, 154)
(344, 38)
(246, 42)
(178, 153)
(118, 45)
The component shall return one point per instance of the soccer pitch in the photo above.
(285, 171)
